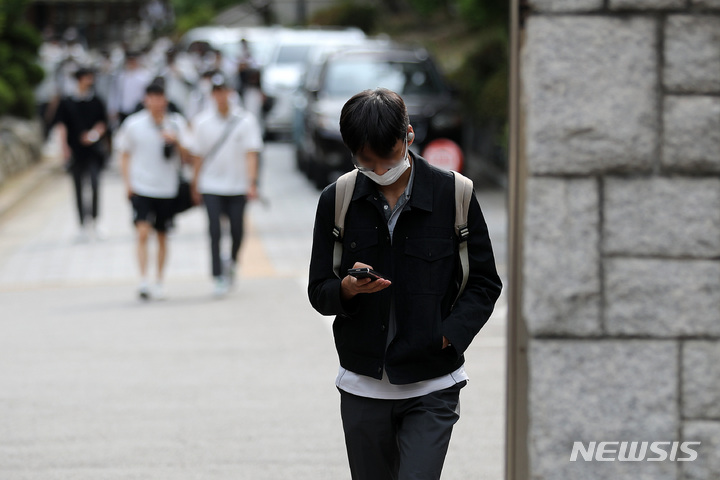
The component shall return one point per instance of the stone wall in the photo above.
(20, 146)
(621, 262)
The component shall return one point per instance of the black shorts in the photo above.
(158, 212)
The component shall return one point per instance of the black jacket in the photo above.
(422, 263)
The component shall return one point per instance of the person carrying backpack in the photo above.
(400, 330)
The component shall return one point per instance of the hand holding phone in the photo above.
(355, 281)
(365, 272)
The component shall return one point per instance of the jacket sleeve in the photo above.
(323, 285)
(475, 305)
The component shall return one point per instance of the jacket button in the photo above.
(383, 328)
(353, 245)
(379, 369)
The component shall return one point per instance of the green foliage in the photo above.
(35, 73)
(5, 53)
(19, 72)
(201, 14)
(23, 36)
(483, 77)
(191, 13)
(425, 7)
(6, 96)
(188, 7)
(477, 13)
(348, 13)
(13, 9)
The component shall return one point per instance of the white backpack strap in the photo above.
(463, 195)
(344, 188)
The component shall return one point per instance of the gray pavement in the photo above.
(95, 384)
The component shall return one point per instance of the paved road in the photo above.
(96, 385)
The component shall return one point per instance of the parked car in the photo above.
(286, 66)
(435, 111)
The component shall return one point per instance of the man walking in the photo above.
(228, 141)
(83, 123)
(151, 143)
(128, 89)
(401, 338)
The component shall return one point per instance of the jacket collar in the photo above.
(422, 190)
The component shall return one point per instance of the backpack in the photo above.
(463, 193)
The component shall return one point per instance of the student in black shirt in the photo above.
(83, 121)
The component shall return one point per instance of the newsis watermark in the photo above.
(634, 451)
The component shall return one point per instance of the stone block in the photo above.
(561, 257)
(601, 391)
(566, 5)
(701, 379)
(662, 298)
(676, 216)
(707, 464)
(646, 4)
(706, 3)
(692, 54)
(590, 94)
(691, 140)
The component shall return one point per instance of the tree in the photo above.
(19, 72)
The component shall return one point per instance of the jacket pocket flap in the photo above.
(359, 240)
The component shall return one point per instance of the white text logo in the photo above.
(634, 451)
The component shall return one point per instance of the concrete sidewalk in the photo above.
(95, 384)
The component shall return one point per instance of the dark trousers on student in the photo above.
(399, 439)
(233, 207)
(81, 170)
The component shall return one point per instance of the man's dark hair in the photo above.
(83, 71)
(155, 88)
(374, 118)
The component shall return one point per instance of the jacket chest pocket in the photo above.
(360, 246)
(430, 264)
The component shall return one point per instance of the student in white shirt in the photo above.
(227, 144)
(128, 88)
(151, 143)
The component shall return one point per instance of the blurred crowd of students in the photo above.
(122, 73)
(159, 112)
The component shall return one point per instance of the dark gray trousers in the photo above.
(399, 439)
(233, 207)
(80, 170)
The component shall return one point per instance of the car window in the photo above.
(347, 77)
(292, 54)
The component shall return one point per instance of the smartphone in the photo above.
(365, 273)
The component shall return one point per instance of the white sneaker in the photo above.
(97, 233)
(158, 292)
(82, 236)
(144, 291)
(220, 287)
(229, 271)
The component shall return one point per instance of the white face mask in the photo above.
(389, 177)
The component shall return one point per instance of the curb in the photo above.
(19, 186)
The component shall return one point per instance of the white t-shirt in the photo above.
(129, 90)
(368, 387)
(151, 174)
(226, 171)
